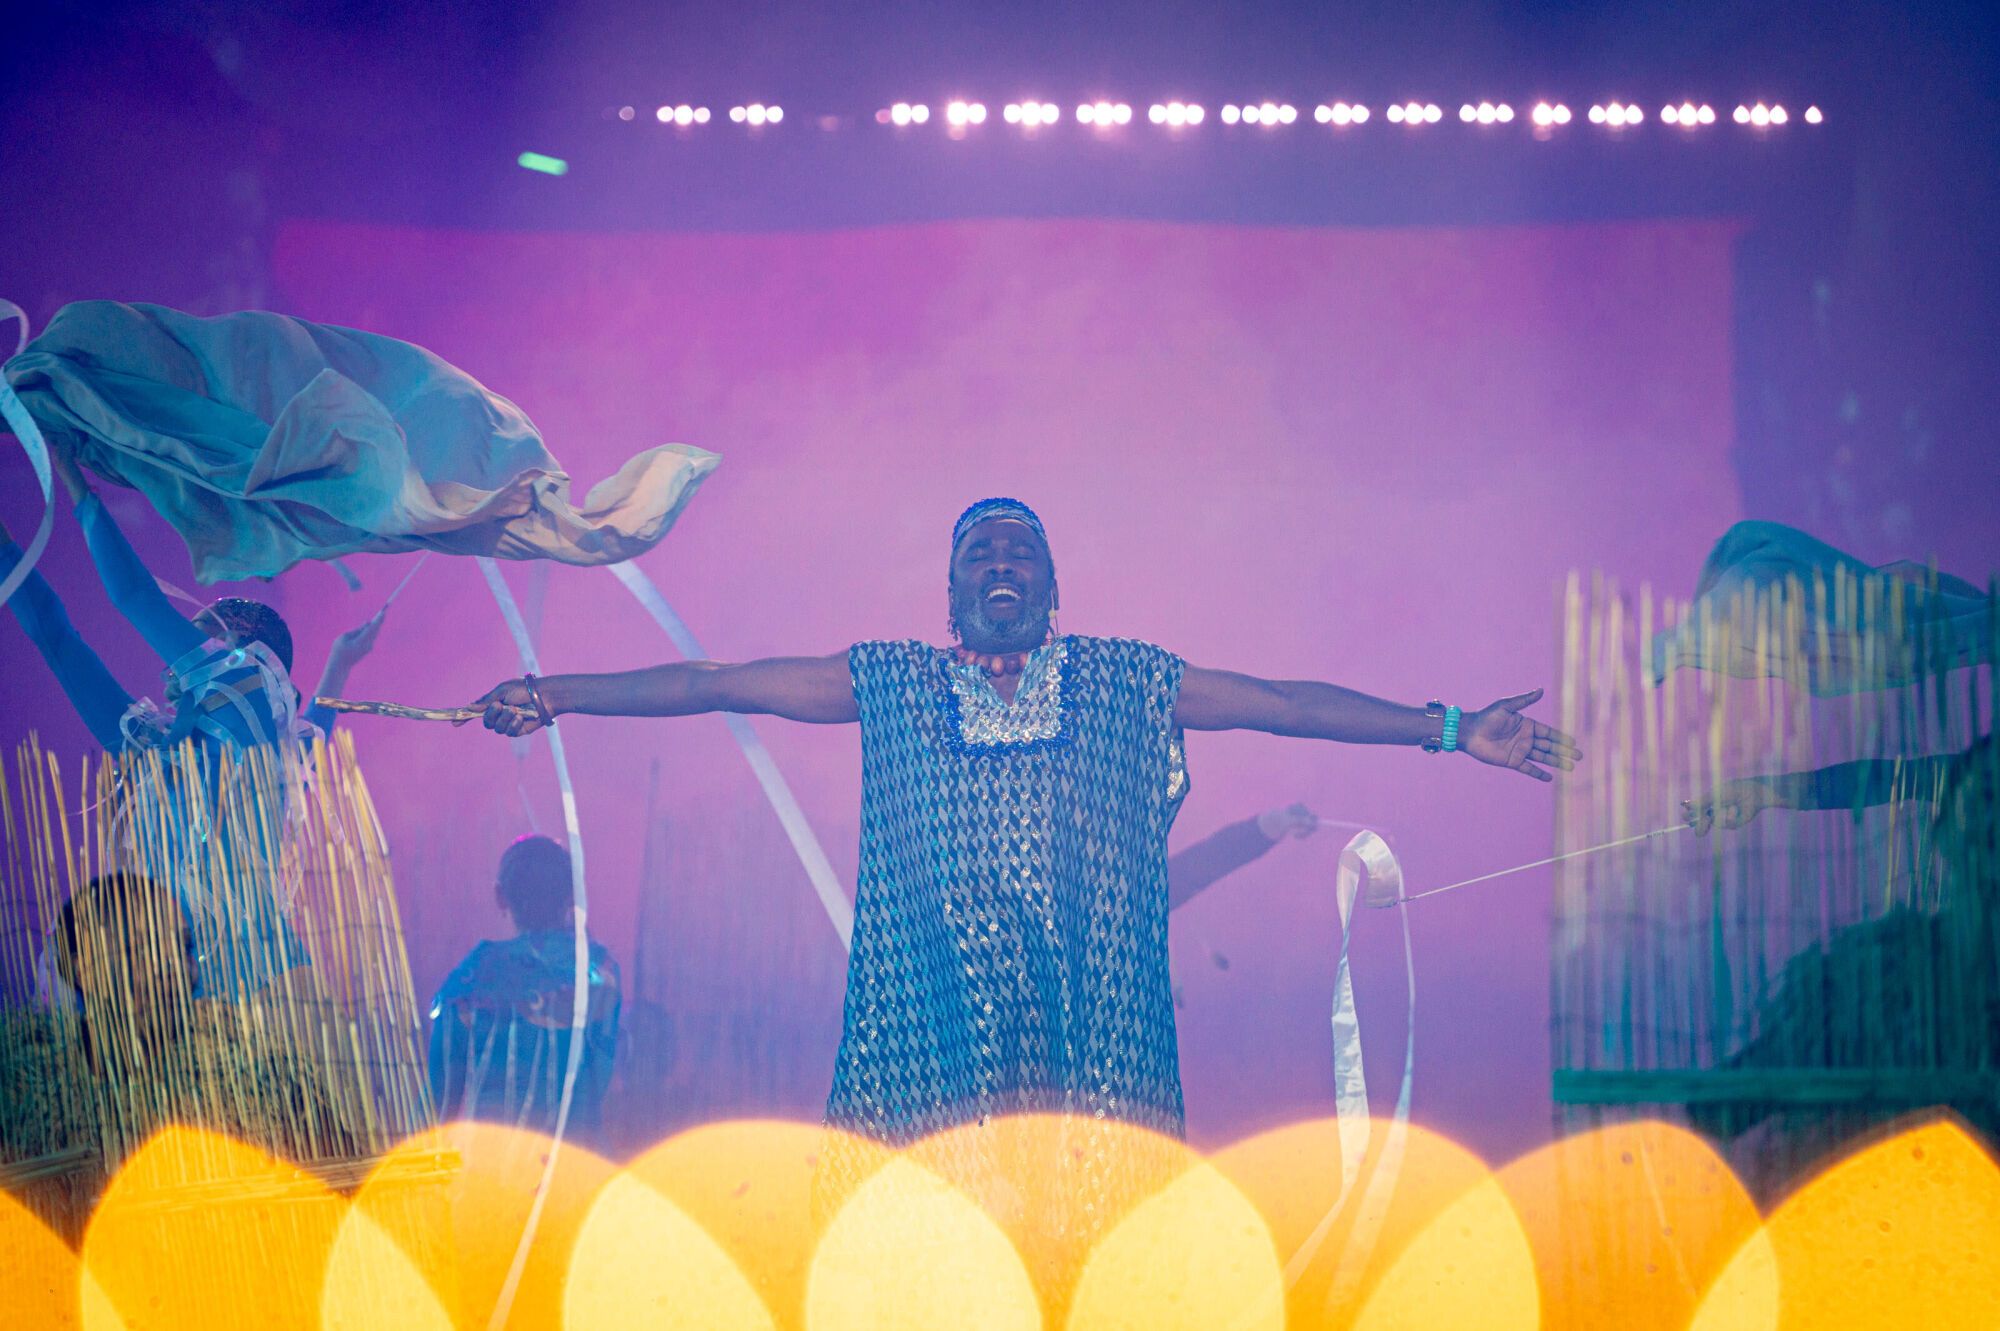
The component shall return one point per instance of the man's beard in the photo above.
(1022, 634)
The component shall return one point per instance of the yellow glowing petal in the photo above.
(98, 1314)
(1195, 1255)
(642, 1262)
(406, 1202)
(1469, 1267)
(1056, 1185)
(372, 1283)
(756, 1188)
(500, 1168)
(1899, 1234)
(204, 1233)
(1629, 1224)
(1745, 1296)
(1293, 1176)
(38, 1272)
(909, 1252)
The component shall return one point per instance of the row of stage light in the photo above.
(960, 116)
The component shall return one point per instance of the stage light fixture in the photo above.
(897, 115)
(1231, 114)
(1468, 113)
(626, 113)
(1322, 114)
(1760, 115)
(1598, 115)
(1195, 114)
(919, 114)
(1396, 113)
(1157, 114)
(1706, 115)
(1288, 114)
(664, 115)
(1779, 115)
(1813, 116)
(1360, 114)
(1012, 114)
(1504, 113)
(701, 115)
(543, 163)
(1741, 115)
(684, 116)
(1433, 113)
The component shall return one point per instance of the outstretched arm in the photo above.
(92, 690)
(1862, 784)
(799, 688)
(348, 650)
(130, 586)
(1498, 734)
(1193, 868)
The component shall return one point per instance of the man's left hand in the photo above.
(1501, 736)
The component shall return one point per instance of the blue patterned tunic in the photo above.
(1010, 930)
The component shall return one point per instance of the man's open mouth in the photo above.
(1001, 593)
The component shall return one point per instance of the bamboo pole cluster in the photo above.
(202, 940)
(1785, 984)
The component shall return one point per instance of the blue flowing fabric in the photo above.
(1861, 627)
(266, 440)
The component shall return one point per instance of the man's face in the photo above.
(1002, 586)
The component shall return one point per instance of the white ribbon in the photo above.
(1369, 871)
(580, 984)
(24, 428)
(838, 909)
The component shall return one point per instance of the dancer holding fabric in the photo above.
(1009, 949)
(227, 687)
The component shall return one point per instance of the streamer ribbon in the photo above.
(24, 428)
(838, 909)
(580, 984)
(1368, 869)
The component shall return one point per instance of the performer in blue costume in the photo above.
(227, 685)
(501, 1022)
(1010, 931)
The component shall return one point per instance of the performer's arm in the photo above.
(798, 688)
(1862, 784)
(1214, 857)
(347, 652)
(92, 690)
(132, 589)
(1499, 734)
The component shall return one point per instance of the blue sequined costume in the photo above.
(1010, 930)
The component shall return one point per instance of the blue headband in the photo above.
(1011, 509)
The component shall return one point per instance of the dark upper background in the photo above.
(149, 151)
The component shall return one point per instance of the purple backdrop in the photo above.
(1366, 456)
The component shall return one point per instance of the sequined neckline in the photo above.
(981, 721)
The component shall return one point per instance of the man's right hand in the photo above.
(509, 709)
(1735, 804)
